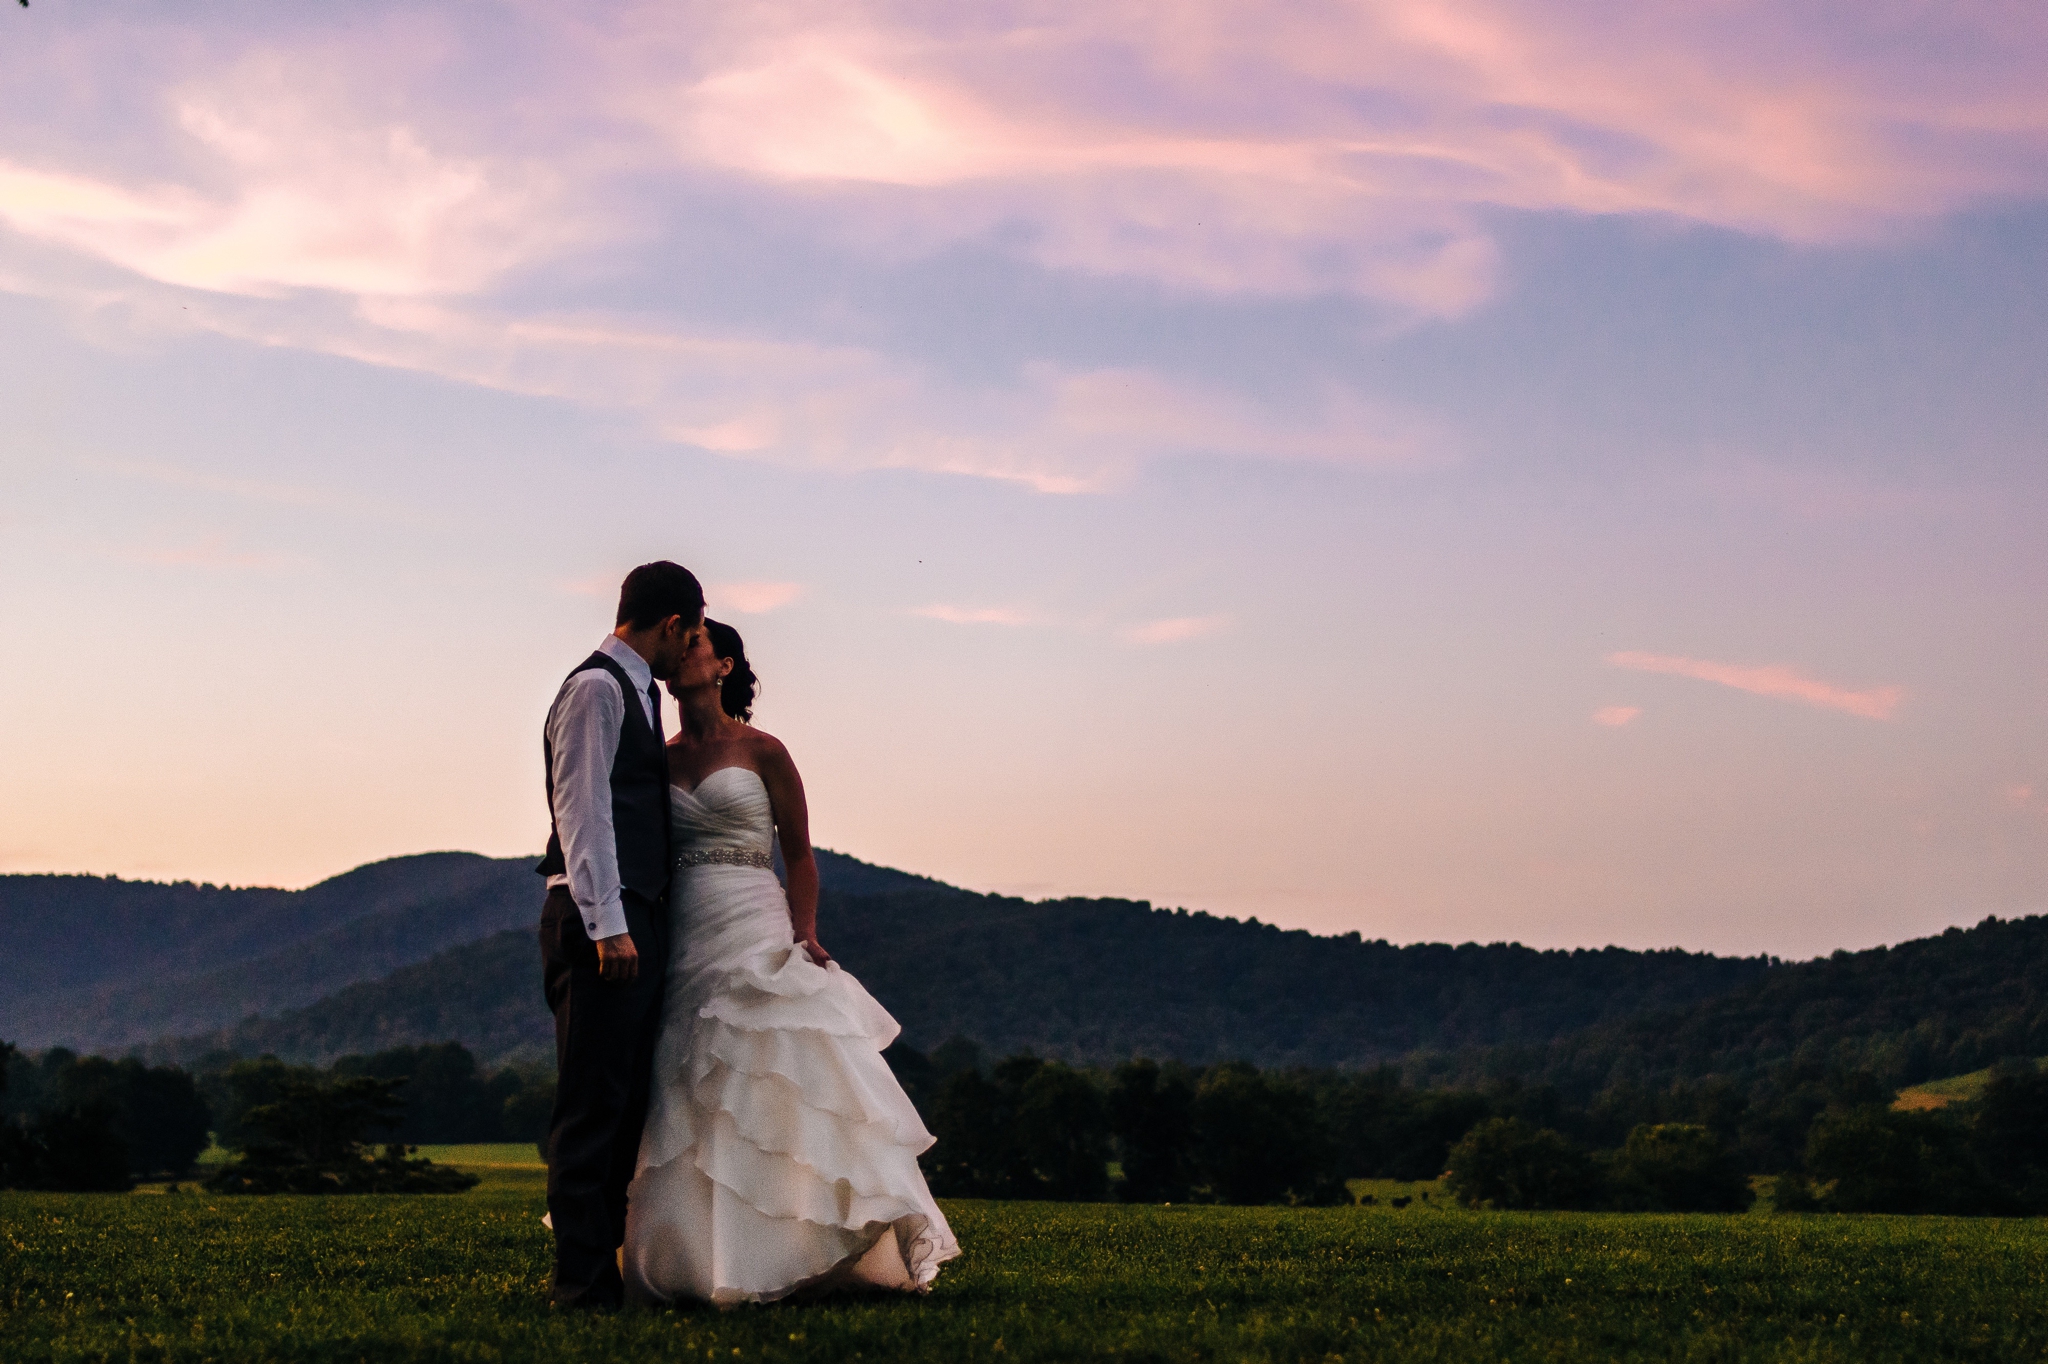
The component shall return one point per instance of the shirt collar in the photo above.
(636, 667)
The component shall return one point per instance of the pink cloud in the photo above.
(367, 187)
(751, 598)
(1353, 147)
(1616, 716)
(1875, 703)
(307, 193)
(1213, 146)
(1176, 629)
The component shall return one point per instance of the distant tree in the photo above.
(154, 1112)
(954, 1055)
(1151, 1118)
(1676, 1167)
(1505, 1163)
(444, 1097)
(1873, 1158)
(913, 1070)
(244, 1086)
(157, 1110)
(1029, 1129)
(72, 1148)
(1260, 1139)
(1063, 1131)
(528, 1109)
(312, 1139)
(976, 1154)
(2010, 1132)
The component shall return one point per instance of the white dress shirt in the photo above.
(583, 732)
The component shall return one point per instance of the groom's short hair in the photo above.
(654, 592)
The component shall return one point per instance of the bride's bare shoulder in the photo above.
(765, 747)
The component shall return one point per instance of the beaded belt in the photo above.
(726, 857)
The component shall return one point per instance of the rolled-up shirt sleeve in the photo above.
(583, 734)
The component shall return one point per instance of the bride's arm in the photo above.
(793, 827)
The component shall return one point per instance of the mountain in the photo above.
(440, 947)
(1086, 980)
(101, 964)
(1924, 1009)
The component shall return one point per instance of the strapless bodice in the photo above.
(729, 809)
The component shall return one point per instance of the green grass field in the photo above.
(1954, 1089)
(189, 1276)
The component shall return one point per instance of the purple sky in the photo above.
(1570, 473)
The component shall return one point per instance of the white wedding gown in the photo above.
(780, 1154)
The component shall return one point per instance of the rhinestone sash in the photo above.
(726, 857)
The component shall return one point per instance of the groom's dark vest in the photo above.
(639, 796)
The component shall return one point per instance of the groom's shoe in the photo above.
(606, 1294)
(590, 1300)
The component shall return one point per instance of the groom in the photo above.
(604, 930)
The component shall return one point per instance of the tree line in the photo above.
(1024, 1127)
(91, 1123)
(1145, 1131)
(1945, 1005)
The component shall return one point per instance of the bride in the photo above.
(780, 1154)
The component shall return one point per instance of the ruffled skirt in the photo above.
(780, 1154)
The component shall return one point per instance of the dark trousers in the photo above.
(604, 1054)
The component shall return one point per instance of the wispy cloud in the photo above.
(1351, 147)
(378, 188)
(751, 598)
(1616, 716)
(1873, 703)
(977, 615)
(1175, 629)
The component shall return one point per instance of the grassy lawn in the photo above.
(190, 1276)
(1941, 1093)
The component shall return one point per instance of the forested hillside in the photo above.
(1917, 1011)
(440, 948)
(1085, 980)
(100, 964)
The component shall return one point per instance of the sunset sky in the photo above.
(1569, 473)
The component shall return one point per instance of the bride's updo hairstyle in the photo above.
(736, 696)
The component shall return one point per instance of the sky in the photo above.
(1564, 473)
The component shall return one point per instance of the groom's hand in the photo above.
(617, 959)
